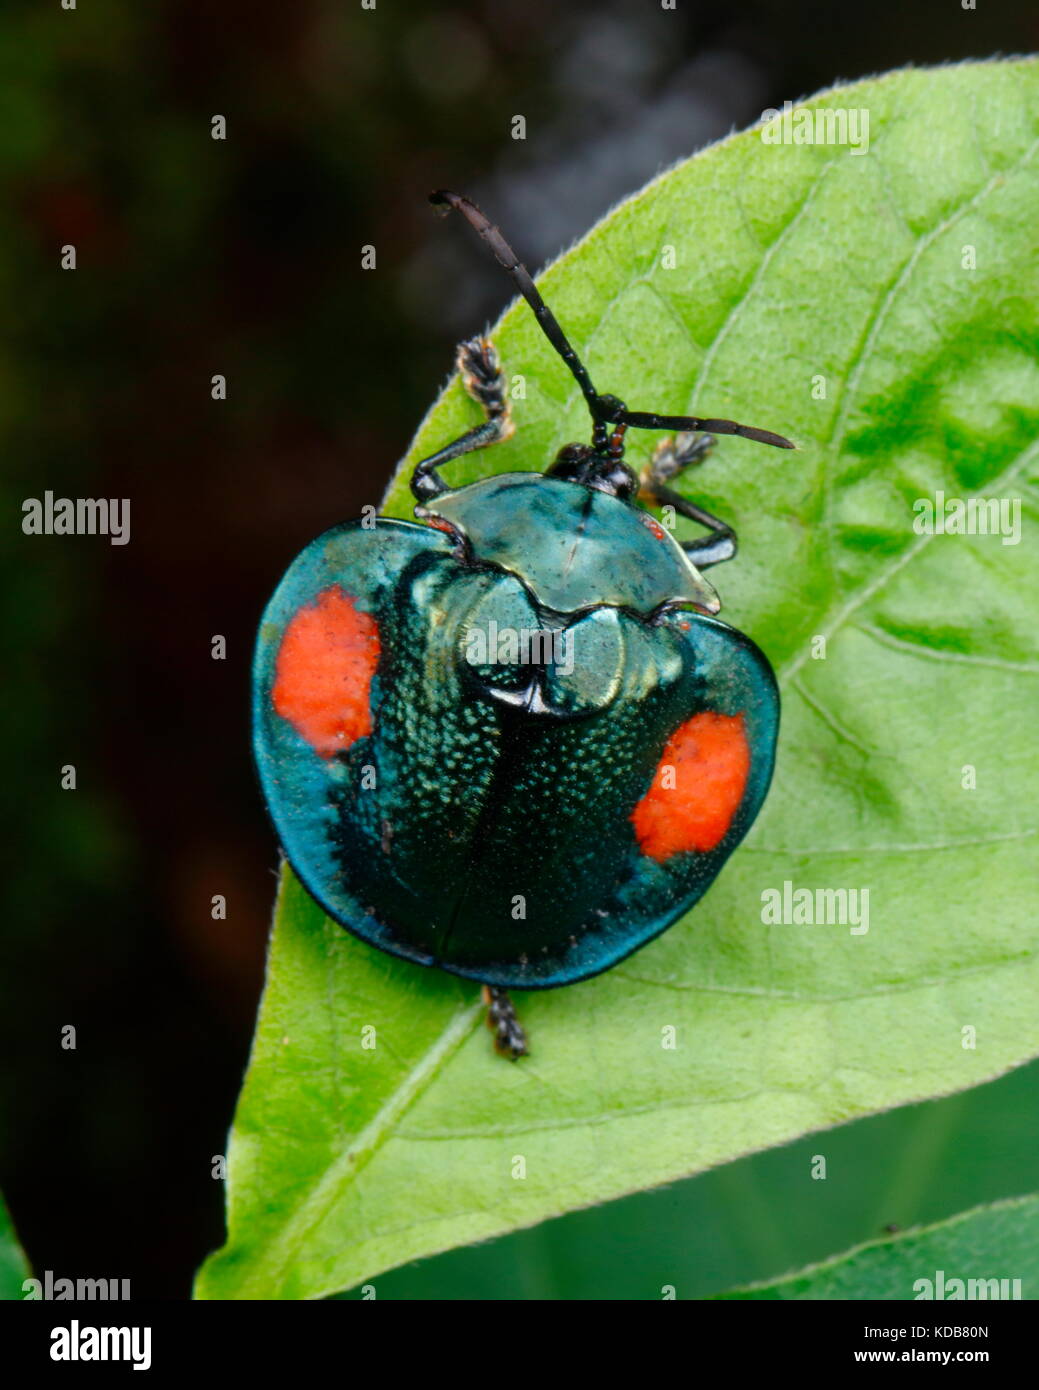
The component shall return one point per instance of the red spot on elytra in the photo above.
(697, 788)
(324, 671)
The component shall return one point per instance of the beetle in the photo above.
(512, 739)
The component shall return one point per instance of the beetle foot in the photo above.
(484, 380)
(672, 456)
(509, 1038)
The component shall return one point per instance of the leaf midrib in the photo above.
(357, 1155)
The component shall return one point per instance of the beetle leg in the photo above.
(674, 456)
(482, 377)
(710, 550)
(509, 1038)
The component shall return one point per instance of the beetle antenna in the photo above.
(643, 420)
(443, 201)
(604, 409)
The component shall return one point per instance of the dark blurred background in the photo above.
(243, 257)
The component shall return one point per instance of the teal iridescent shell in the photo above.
(495, 804)
(575, 547)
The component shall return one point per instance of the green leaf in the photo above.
(792, 263)
(999, 1242)
(14, 1267)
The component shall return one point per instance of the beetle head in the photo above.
(582, 463)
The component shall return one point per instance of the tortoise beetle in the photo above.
(515, 742)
